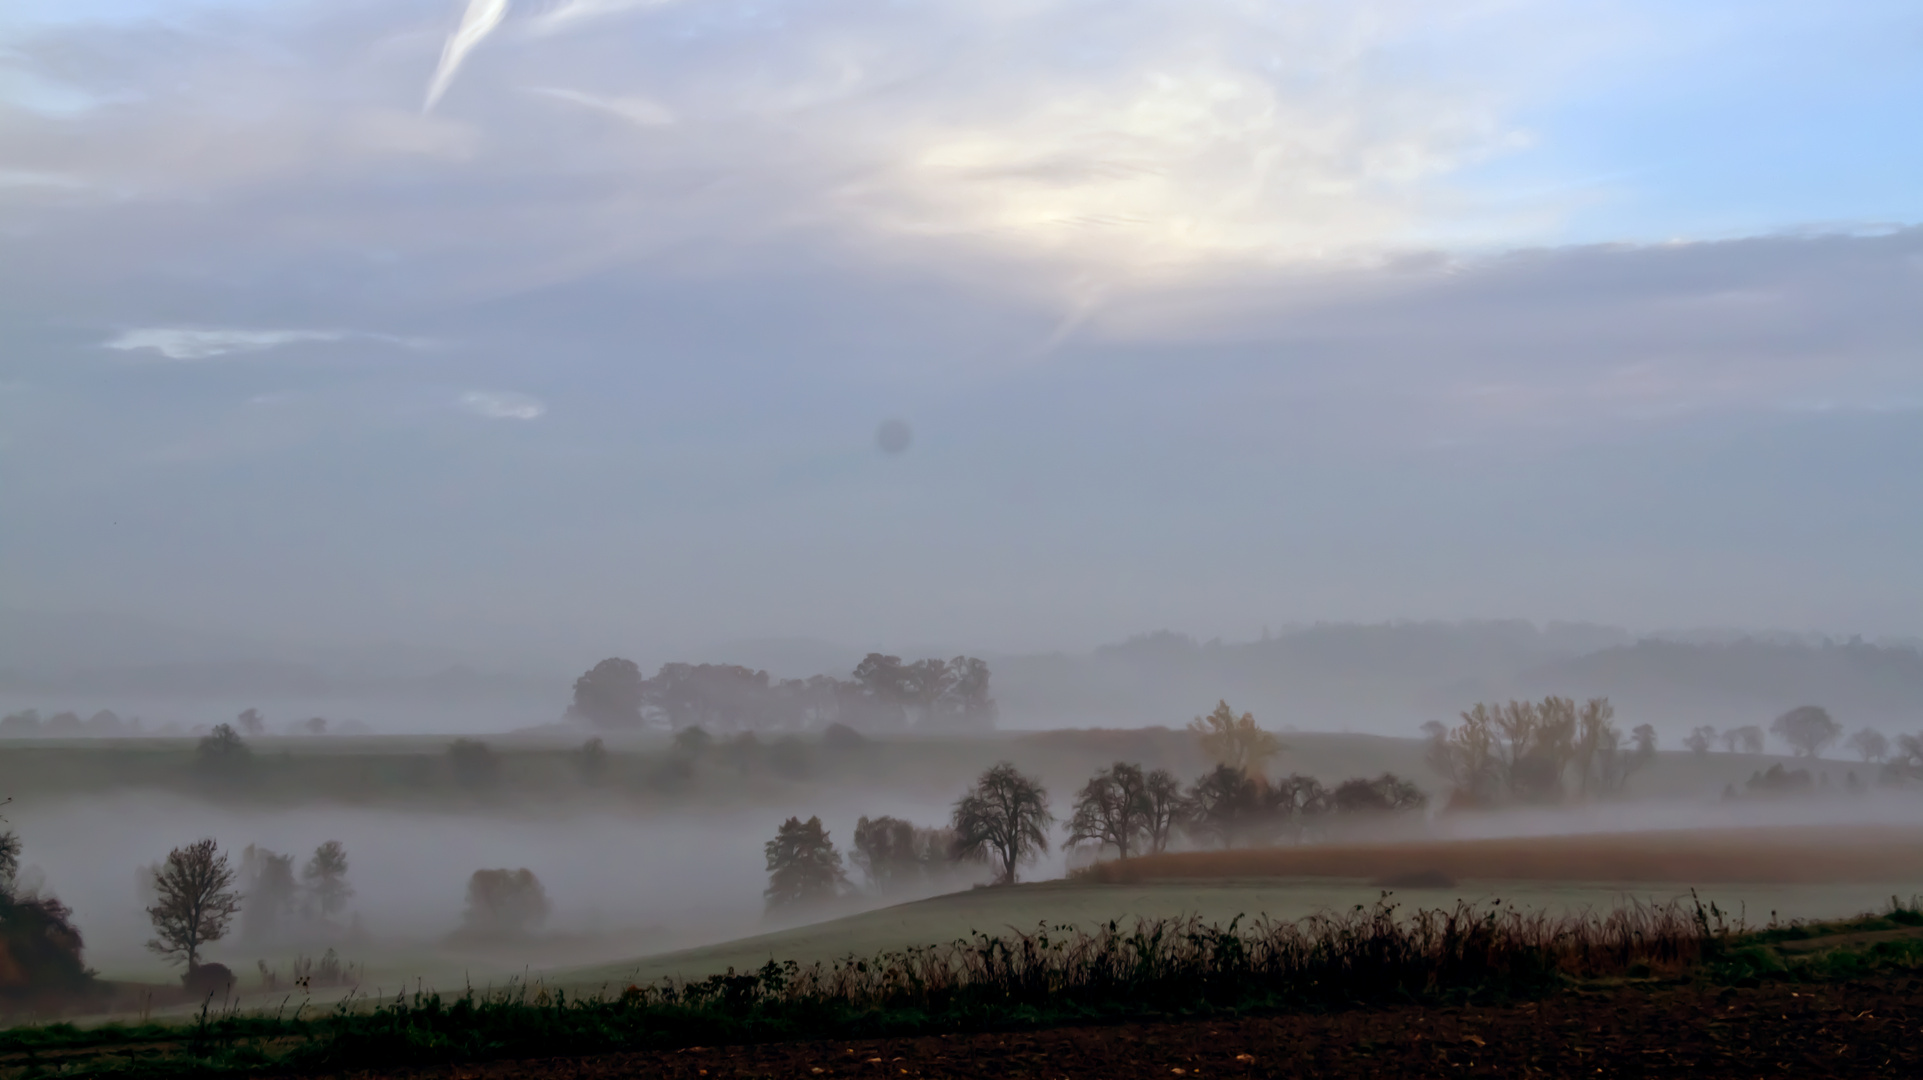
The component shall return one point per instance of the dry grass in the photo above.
(1697, 857)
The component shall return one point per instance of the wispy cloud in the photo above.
(639, 110)
(477, 22)
(184, 343)
(503, 405)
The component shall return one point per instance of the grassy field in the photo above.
(1371, 956)
(1025, 907)
(1777, 855)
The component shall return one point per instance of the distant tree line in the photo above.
(1004, 821)
(107, 724)
(884, 693)
(1809, 730)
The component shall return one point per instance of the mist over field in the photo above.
(612, 496)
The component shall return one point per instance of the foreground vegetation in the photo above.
(1370, 955)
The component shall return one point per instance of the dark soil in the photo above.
(1872, 1027)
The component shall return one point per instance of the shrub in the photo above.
(505, 903)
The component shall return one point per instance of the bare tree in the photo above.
(1870, 743)
(1387, 793)
(326, 878)
(1166, 807)
(1808, 729)
(1112, 810)
(195, 901)
(1290, 805)
(1004, 816)
(1224, 805)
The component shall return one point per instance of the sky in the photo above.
(570, 328)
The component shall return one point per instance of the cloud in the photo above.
(477, 22)
(500, 405)
(639, 110)
(181, 343)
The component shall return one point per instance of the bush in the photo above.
(505, 903)
(475, 764)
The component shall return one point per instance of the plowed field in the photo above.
(1872, 1028)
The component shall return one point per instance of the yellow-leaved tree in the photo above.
(1235, 741)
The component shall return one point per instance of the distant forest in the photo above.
(1390, 678)
(884, 694)
(1385, 678)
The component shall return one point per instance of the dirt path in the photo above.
(1872, 1028)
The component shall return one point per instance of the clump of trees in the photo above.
(884, 694)
(1126, 809)
(1531, 752)
(897, 856)
(37, 938)
(504, 903)
(279, 905)
(28, 724)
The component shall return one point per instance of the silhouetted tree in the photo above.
(803, 865)
(593, 760)
(884, 851)
(1234, 740)
(1385, 794)
(1224, 805)
(223, 751)
(1166, 807)
(609, 694)
(1808, 729)
(1747, 739)
(1700, 740)
(250, 722)
(691, 742)
(1289, 806)
(505, 903)
(270, 892)
(474, 762)
(326, 877)
(839, 736)
(1112, 810)
(195, 901)
(1004, 817)
(24, 724)
(1870, 744)
(313, 725)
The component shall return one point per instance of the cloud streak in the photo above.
(477, 22)
(185, 343)
(501, 405)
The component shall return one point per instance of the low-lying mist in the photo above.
(643, 883)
